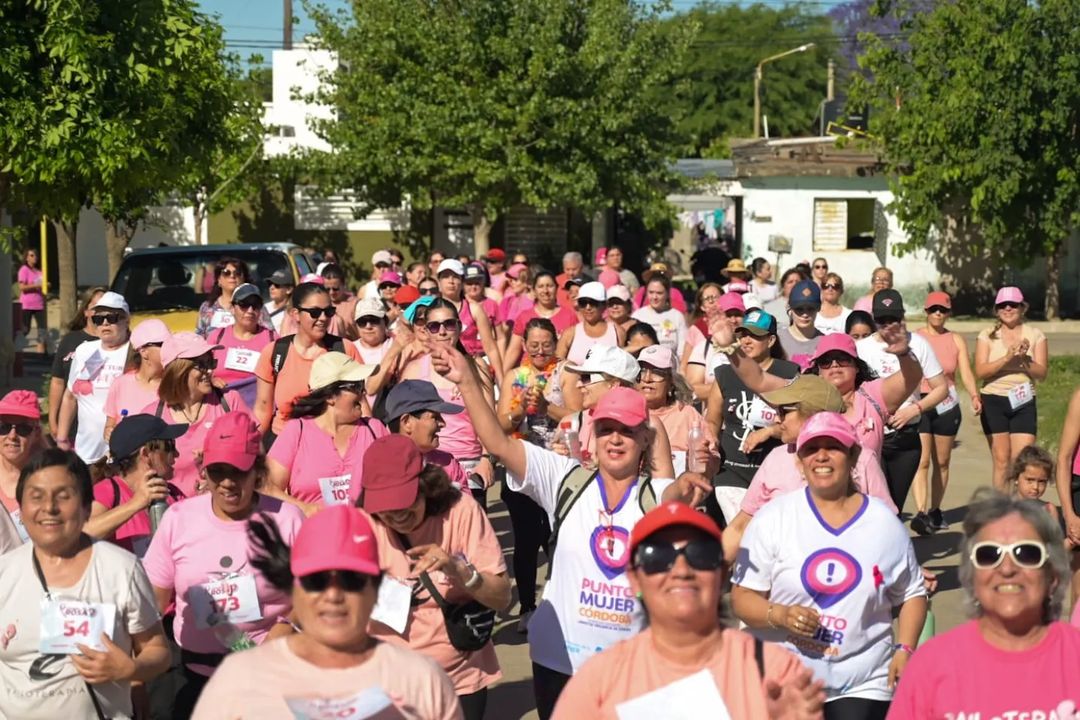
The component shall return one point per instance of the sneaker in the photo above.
(921, 524)
(523, 622)
(937, 520)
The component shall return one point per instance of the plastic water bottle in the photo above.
(694, 440)
(574, 443)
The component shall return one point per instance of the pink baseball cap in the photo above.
(338, 537)
(185, 345)
(826, 424)
(659, 356)
(149, 331)
(621, 404)
(21, 403)
(601, 256)
(392, 466)
(731, 301)
(1009, 293)
(609, 278)
(313, 278)
(233, 439)
(836, 342)
(390, 277)
(619, 292)
(516, 269)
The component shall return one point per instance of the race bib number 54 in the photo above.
(66, 624)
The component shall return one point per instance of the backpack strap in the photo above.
(570, 489)
(115, 493)
(221, 399)
(647, 495)
(759, 657)
(279, 353)
(220, 335)
(333, 343)
(160, 408)
(872, 401)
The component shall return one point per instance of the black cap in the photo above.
(410, 397)
(888, 303)
(579, 281)
(282, 278)
(134, 431)
(475, 272)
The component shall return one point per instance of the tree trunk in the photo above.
(65, 252)
(482, 225)
(1053, 282)
(198, 223)
(115, 242)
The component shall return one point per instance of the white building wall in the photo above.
(172, 225)
(296, 74)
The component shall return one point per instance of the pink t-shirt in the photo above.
(463, 529)
(315, 467)
(237, 360)
(133, 535)
(449, 463)
(194, 550)
(632, 668)
(865, 303)
(779, 474)
(960, 675)
(458, 437)
(677, 420)
(511, 306)
(677, 300)
(1076, 616)
(864, 416)
(31, 300)
(127, 393)
(189, 446)
(562, 319)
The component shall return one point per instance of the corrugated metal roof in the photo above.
(697, 168)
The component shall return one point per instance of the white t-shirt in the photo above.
(705, 354)
(885, 364)
(830, 326)
(670, 326)
(853, 575)
(93, 371)
(587, 604)
(48, 686)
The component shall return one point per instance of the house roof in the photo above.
(700, 168)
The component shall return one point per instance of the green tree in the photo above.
(978, 114)
(485, 104)
(713, 95)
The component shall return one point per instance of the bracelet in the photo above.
(906, 648)
(768, 617)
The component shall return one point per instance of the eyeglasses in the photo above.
(250, 304)
(886, 321)
(938, 310)
(706, 299)
(1026, 554)
(821, 267)
(804, 311)
(429, 291)
(833, 286)
(21, 429)
(206, 364)
(1008, 306)
(655, 558)
(585, 303)
(535, 348)
(368, 321)
(318, 312)
(450, 325)
(831, 361)
(229, 272)
(347, 580)
(111, 318)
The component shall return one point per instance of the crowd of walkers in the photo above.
(284, 514)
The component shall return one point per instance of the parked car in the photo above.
(170, 283)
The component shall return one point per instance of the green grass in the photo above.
(1053, 398)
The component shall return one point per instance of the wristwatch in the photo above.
(475, 578)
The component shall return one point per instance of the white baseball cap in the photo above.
(369, 307)
(751, 302)
(609, 360)
(452, 265)
(112, 301)
(382, 256)
(592, 291)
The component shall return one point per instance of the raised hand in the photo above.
(801, 698)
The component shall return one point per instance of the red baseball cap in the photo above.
(496, 255)
(233, 439)
(938, 298)
(338, 537)
(392, 466)
(406, 295)
(21, 403)
(671, 514)
(621, 404)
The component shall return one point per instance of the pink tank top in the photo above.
(948, 355)
(458, 437)
(470, 335)
(582, 342)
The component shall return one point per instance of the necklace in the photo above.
(198, 411)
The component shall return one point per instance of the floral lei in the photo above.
(527, 376)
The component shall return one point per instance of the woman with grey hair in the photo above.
(1015, 658)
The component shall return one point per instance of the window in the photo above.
(844, 224)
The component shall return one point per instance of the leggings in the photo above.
(547, 686)
(474, 704)
(856, 709)
(900, 455)
(531, 532)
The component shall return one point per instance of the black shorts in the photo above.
(37, 316)
(946, 424)
(999, 417)
(1076, 494)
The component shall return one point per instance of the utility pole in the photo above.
(287, 39)
(830, 87)
(759, 74)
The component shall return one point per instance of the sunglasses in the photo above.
(318, 312)
(21, 429)
(609, 428)
(785, 409)
(150, 345)
(616, 302)
(111, 318)
(449, 326)
(840, 361)
(886, 321)
(229, 272)
(206, 364)
(654, 558)
(587, 303)
(347, 580)
(429, 291)
(1008, 306)
(832, 286)
(163, 444)
(938, 310)
(1026, 554)
(368, 321)
(356, 388)
(593, 378)
(821, 267)
(278, 285)
(250, 304)
(804, 311)
(220, 472)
